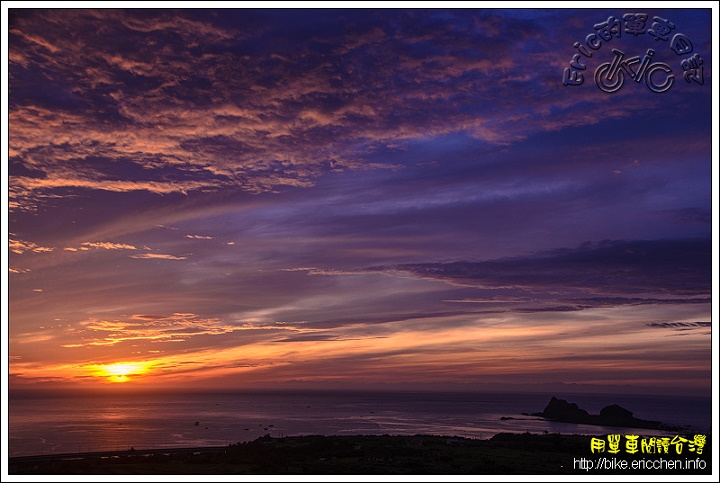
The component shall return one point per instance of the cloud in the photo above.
(175, 328)
(668, 267)
(108, 245)
(689, 215)
(19, 247)
(157, 256)
(679, 325)
(19, 270)
(618, 301)
(191, 102)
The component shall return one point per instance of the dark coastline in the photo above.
(505, 453)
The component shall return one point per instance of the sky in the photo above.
(359, 198)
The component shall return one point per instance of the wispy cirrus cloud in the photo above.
(677, 267)
(176, 328)
(680, 325)
(157, 256)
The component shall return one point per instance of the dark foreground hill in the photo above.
(367, 455)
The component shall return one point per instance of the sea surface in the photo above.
(76, 424)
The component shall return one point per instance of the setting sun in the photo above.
(121, 371)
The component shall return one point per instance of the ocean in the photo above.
(76, 424)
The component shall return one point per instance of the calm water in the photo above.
(99, 423)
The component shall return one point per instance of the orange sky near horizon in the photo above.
(486, 350)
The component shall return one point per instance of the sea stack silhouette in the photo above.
(562, 411)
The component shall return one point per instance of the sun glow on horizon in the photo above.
(120, 371)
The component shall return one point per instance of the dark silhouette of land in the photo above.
(562, 411)
(504, 453)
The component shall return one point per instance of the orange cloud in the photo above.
(157, 256)
(19, 270)
(20, 247)
(109, 245)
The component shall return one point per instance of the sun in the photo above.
(120, 371)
